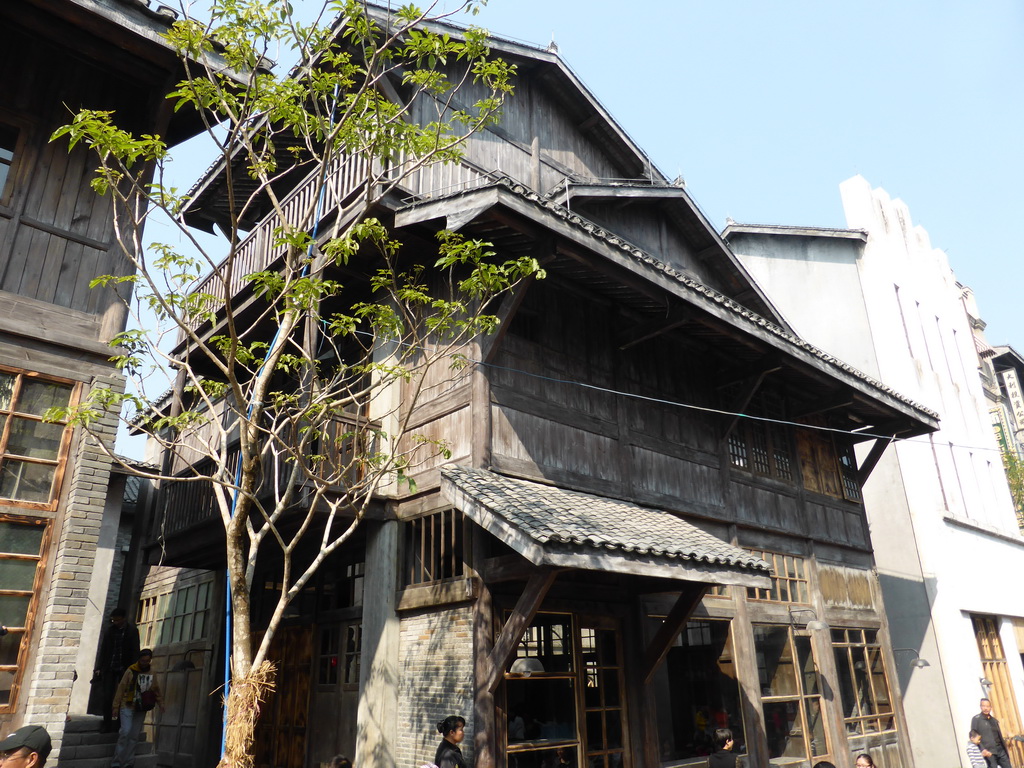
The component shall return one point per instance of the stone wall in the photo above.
(436, 681)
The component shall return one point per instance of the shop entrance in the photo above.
(564, 695)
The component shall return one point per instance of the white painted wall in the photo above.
(943, 526)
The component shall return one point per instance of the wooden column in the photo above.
(377, 728)
(750, 689)
(484, 727)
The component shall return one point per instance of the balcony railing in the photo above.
(190, 504)
(346, 178)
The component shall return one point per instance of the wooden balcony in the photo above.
(346, 180)
(190, 508)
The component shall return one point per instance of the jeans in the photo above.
(128, 737)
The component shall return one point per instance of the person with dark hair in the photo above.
(136, 694)
(27, 747)
(824, 764)
(974, 750)
(119, 648)
(993, 747)
(723, 757)
(340, 761)
(448, 755)
(864, 761)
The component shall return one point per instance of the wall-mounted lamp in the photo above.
(185, 664)
(985, 683)
(526, 666)
(813, 624)
(918, 661)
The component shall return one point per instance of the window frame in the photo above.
(434, 548)
(800, 695)
(64, 449)
(33, 606)
(866, 648)
(763, 448)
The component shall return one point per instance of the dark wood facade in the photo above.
(627, 374)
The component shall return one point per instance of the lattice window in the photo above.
(434, 547)
(176, 616)
(789, 579)
(762, 447)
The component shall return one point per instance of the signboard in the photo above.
(1011, 385)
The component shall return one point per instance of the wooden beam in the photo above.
(868, 465)
(766, 365)
(510, 304)
(748, 389)
(689, 598)
(526, 608)
(648, 330)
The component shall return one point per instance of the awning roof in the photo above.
(568, 529)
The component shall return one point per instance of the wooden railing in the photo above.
(346, 178)
(191, 503)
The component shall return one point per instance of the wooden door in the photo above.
(994, 664)
(603, 694)
(281, 729)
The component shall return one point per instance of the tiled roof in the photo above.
(696, 288)
(583, 523)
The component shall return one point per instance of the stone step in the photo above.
(148, 760)
(88, 751)
(82, 723)
(88, 737)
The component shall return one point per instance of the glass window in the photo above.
(31, 450)
(21, 545)
(696, 691)
(790, 695)
(863, 686)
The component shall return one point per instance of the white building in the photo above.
(947, 546)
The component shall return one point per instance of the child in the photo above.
(723, 758)
(974, 751)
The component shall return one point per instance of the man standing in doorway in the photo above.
(992, 745)
(119, 648)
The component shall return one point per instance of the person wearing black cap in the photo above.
(27, 747)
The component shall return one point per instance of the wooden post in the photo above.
(484, 730)
(377, 729)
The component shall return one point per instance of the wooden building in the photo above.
(56, 537)
(617, 559)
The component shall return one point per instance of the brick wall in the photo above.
(436, 652)
(72, 554)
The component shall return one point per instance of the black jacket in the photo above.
(449, 756)
(723, 758)
(991, 735)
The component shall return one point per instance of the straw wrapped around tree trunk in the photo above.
(244, 703)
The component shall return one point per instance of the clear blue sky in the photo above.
(765, 107)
